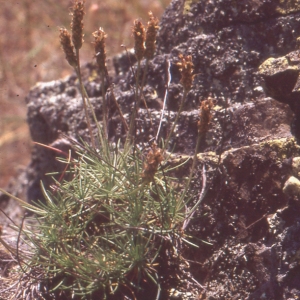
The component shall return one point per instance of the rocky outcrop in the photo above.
(248, 224)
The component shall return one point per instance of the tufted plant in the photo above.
(121, 218)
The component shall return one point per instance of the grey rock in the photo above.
(251, 225)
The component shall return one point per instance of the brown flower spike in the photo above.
(151, 32)
(205, 115)
(139, 35)
(99, 43)
(154, 158)
(186, 68)
(77, 24)
(65, 41)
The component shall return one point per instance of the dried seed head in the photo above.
(151, 31)
(77, 23)
(99, 43)
(205, 115)
(154, 158)
(65, 41)
(186, 68)
(139, 39)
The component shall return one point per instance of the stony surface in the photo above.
(281, 81)
(249, 151)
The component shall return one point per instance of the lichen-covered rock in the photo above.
(280, 78)
(229, 40)
(282, 82)
(292, 186)
(248, 221)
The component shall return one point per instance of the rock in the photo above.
(292, 186)
(247, 226)
(296, 166)
(280, 78)
(282, 82)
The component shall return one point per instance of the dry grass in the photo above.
(30, 52)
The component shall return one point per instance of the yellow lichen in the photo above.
(288, 6)
(187, 6)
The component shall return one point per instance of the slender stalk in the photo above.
(103, 139)
(131, 132)
(185, 92)
(82, 91)
(139, 49)
(105, 114)
(190, 212)
(118, 108)
(203, 123)
(165, 100)
(142, 88)
(199, 137)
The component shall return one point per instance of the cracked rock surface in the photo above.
(248, 224)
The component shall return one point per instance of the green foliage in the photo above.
(110, 228)
(107, 226)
